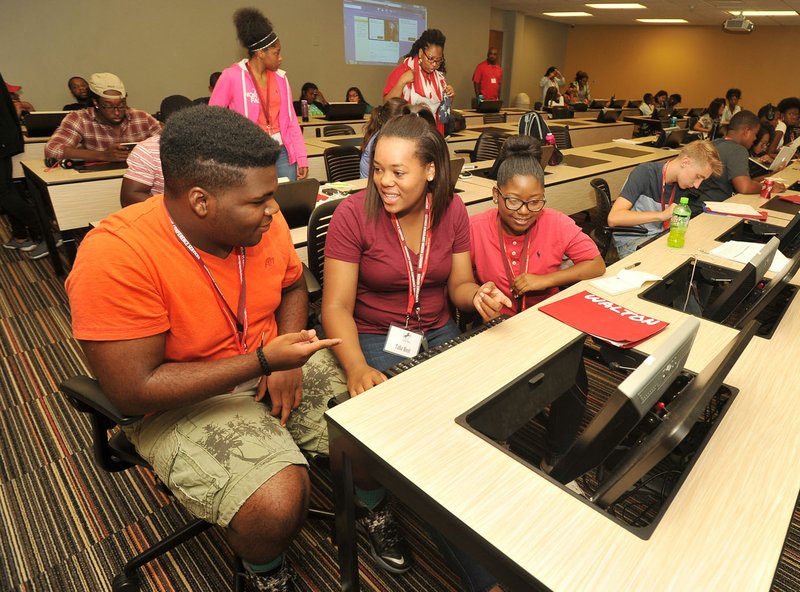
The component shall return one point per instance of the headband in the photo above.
(263, 43)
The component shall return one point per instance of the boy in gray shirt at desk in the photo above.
(651, 192)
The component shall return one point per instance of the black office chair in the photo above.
(297, 200)
(715, 131)
(113, 452)
(338, 129)
(487, 147)
(342, 163)
(495, 117)
(317, 233)
(561, 134)
(602, 233)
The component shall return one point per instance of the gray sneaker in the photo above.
(39, 251)
(279, 580)
(15, 245)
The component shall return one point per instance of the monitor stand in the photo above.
(708, 281)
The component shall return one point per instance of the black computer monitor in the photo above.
(597, 104)
(741, 284)
(677, 420)
(628, 404)
(616, 104)
(754, 231)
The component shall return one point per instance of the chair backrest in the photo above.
(495, 118)
(714, 133)
(317, 233)
(339, 129)
(533, 124)
(561, 134)
(297, 200)
(488, 146)
(342, 163)
(599, 234)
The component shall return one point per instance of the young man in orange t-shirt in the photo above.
(190, 308)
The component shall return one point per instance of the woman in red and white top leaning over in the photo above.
(419, 78)
(259, 90)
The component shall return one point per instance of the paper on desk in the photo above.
(624, 141)
(625, 281)
(743, 252)
(734, 209)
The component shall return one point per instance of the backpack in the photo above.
(533, 124)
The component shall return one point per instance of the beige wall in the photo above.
(169, 47)
(700, 63)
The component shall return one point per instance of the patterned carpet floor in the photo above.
(65, 525)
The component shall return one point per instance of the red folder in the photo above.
(602, 318)
(791, 198)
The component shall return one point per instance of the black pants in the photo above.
(20, 212)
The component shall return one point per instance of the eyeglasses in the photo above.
(121, 107)
(434, 61)
(514, 204)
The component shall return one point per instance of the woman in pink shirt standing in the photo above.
(520, 246)
(259, 90)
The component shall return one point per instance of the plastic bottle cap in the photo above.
(685, 200)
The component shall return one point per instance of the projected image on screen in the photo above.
(378, 32)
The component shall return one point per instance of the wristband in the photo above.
(266, 369)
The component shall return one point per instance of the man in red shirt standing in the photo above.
(488, 76)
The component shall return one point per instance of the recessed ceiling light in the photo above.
(661, 20)
(763, 12)
(617, 5)
(566, 14)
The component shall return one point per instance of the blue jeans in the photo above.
(473, 575)
(284, 169)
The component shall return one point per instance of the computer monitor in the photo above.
(297, 200)
(597, 104)
(626, 407)
(608, 116)
(671, 137)
(616, 104)
(754, 231)
(345, 110)
(742, 283)
(634, 104)
(41, 124)
(579, 107)
(677, 420)
(488, 106)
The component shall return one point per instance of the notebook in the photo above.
(341, 111)
(489, 106)
(41, 124)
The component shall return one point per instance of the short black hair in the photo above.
(662, 93)
(308, 86)
(647, 98)
(251, 27)
(789, 103)
(212, 80)
(212, 148)
(172, 104)
(744, 120)
(69, 82)
(733, 92)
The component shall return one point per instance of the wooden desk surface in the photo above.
(59, 176)
(723, 531)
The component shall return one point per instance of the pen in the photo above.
(634, 265)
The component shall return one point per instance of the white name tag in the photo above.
(402, 342)
(494, 80)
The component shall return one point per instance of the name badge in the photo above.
(402, 342)
(494, 80)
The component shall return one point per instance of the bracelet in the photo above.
(266, 369)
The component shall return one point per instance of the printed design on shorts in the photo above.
(322, 380)
(230, 442)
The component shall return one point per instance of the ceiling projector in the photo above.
(738, 24)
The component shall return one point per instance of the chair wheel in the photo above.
(125, 583)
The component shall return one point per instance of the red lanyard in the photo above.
(263, 101)
(237, 322)
(416, 277)
(519, 301)
(671, 195)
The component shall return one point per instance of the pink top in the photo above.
(382, 292)
(552, 237)
(488, 76)
(144, 164)
(235, 90)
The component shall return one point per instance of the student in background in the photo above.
(80, 91)
(419, 78)
(257, 88)
(662, 100)
(354, 95)
(317, 103)
(673, 101)
(212, 82)
(552, 77)
(651, 192)
(488, 77)
(648, 105)
(21, 107)
(521, 246)
(571, 95)
(582, 87)
(732, 106)
(553, 98)
(383, 113)
(760, 147)
(144, 177)
(373, 262)
(709, 117)
(734, 153)
(788, 117)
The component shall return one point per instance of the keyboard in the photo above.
(435, 351)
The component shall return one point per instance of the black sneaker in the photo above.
(387, 545)
(277, 580)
